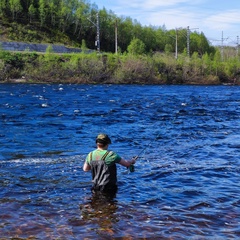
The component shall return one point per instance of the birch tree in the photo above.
(15, 8)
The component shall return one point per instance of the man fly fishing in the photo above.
(102, 164)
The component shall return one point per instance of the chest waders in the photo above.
(104, 177)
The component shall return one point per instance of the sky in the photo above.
(219, 20)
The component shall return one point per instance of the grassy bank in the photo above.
(117, 69)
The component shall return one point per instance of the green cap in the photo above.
(103, 138)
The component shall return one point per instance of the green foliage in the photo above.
(13, 59)
(84, 45)
(136, 47)
(49, 49)
(32, 11)
(11, 65)
(206, 64)
(111, 62)
(199, 43)
(231, 67)
(2, 68)
(119, 68)
(133, 69)
(15, 7)
(43, 11)
(168, 48)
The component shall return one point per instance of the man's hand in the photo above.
(134, 159)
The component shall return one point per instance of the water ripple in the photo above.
(186, 180)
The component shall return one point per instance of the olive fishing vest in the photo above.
(104, 177)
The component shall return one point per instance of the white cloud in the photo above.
(226, 23)
(172, 13)
(173, 18)
(144, 7)
(152, 4)
(224, 20)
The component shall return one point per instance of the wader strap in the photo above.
(90, 156)
(104, 156)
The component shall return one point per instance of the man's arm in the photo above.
(86, 167)
(126, 163)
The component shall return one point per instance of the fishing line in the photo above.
(132, 167)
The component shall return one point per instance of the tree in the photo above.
(203, 45)
(80, 18)
(67, 8)
(84, 45)
(42, 11)
(161, 39)
(217, 60)
(168, 48)
(3, 6)
(206, 64)
(31, 12)
(199, 43)
(15, 7)
(107, 25)
(149, 38)
(53, 7)
(136, 47)
(125, 34)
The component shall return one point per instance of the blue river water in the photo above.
(186, 181)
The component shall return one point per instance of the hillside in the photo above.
(33, 33)
(74, 22)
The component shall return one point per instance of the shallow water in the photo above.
(185, 184)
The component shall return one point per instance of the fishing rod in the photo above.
(132, 167)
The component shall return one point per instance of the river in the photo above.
(186, 180)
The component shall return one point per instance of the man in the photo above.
(102, 164)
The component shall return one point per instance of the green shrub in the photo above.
(135, 70)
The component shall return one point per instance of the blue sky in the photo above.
(217, 19)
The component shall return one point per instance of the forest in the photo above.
(74, 21)
(130, 52)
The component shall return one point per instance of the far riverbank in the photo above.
(81, 68)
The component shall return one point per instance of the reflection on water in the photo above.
(100, 213)
(185, 184)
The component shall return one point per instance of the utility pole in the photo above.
(222, 47)
(237, 45)
(98, 34)
(176, 45)
(188, 41)
(97, 42)
(116, 37)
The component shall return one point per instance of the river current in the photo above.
(186, 181)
